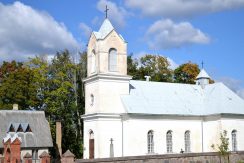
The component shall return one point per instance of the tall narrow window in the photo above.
(187, 142)
(93, 62)
(112, 60)
(92, 100)
(234, 140)
(169, 141)
(150, 143)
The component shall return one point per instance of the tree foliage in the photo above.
(17, 86)
(132, 65)
(158, 68)
(223, 147)
(155, 66)
(54, 87)
(186, 73)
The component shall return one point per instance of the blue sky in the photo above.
(192, 30)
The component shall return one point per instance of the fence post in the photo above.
(1, 158)
(44, 157)
(27, 158)
(68, 157)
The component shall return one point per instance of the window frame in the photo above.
(93, 61)
(150, 141)
(169, 141)
(234, 140)
(111, 67)
(187, 137)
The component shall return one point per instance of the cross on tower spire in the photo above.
(202, 64)
(106, 11)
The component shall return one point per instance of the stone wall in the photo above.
(1, 159)
(212, 157)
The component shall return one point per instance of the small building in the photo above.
(125, 117)
(31, 126)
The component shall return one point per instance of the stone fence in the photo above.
(210, 157)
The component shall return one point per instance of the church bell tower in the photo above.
(106, 82)
(106, 70)
(106, 52)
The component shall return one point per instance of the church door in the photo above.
(91, 148)
(91, 145)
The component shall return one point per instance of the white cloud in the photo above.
(86, 30)
(115, 13)
(25, 32)
(234, 84)
(182, 8)
(165, 34)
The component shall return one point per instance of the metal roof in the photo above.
(105, 29)
(202, 74)
(40, 135)
(181, 99)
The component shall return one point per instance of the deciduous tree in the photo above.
(155, 66)
(186, 73)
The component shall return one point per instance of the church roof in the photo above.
(105, 29)
(181, 99)
(38, 136)
(202, 74)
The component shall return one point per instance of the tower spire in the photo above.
(106, 11)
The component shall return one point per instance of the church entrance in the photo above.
(91, 145)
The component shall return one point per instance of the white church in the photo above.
(125, 117)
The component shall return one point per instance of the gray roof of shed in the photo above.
(181, 99)
(40, 135)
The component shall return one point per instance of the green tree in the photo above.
(223, 147)
(132, 67)
(186, 73)
(155, 66)
(17, 86)
(60, 89)
(62, 102)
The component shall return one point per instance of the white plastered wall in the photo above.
(104, 129)
(135, 135)
(234, 124)
(211, 130)
(106, 96)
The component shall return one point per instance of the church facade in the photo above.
(124, 117)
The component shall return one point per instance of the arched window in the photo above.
(92, 100)
(187, 141)
(112, 60)
(234, 140)
(93, 62)
(169, 141)
(150, 143)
